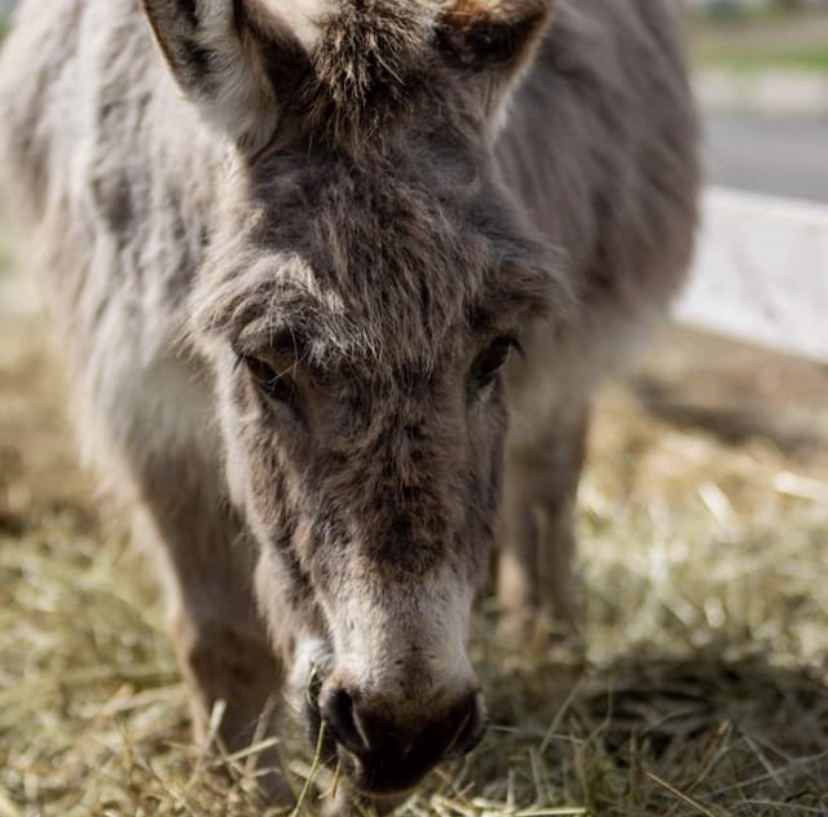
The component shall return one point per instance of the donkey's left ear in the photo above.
(493, 40)
(234, 59)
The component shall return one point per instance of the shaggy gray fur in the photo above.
(286, 267)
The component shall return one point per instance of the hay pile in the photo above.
(700, 688)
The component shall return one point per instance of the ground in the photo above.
(763, 41)
(699, 685)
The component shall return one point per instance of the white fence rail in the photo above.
(761, 272)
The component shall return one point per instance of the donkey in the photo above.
(301, 255)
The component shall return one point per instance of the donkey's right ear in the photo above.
(235, 59)
(492, 41)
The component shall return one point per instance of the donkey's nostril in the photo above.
(384, 753)
(336, 706)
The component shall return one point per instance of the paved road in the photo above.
(783, 157)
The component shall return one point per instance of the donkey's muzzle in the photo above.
(382, 755)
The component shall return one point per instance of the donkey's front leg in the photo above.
(207, 562)
(537, 531)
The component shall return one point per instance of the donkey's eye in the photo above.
(269, 382)
(489, 362)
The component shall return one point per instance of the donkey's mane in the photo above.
(371, 64)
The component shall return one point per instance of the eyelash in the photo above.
(280, 388)
(274, 387)
(490, 361)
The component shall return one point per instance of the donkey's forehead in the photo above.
(386, 265)
(408, 253)
(381, 326)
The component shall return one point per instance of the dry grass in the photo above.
(700, 688)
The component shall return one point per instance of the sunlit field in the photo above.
(696, 685)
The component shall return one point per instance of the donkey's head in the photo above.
(365, 287)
